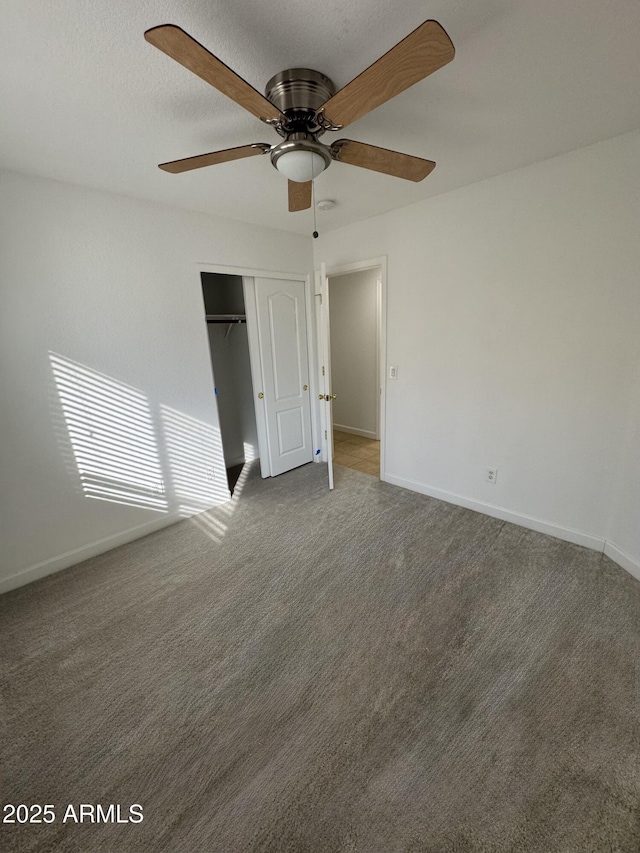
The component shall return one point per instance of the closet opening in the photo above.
(224, 307)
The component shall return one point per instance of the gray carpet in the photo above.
(369, 670)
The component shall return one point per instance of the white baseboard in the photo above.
(354, 431)
(577, 537)
(70, 558)
(622, 559)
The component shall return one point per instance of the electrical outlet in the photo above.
(491, 475)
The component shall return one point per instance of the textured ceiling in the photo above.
(83, 97)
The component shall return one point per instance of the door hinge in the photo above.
(323, 370)
(325, 435)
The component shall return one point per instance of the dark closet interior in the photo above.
(227, 327)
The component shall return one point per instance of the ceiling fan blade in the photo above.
(188, 52)
(422, 52)
(381, 160)
(299, 196)
(215, 157)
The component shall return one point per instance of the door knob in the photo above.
(327, 397)
(260, 395)
(304, 388)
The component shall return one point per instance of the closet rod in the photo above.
(226, 318)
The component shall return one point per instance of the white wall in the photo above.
(513, 316)
(112, 287)
(353, 309)
(624, 535)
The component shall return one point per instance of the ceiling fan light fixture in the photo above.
(300, 157)
(301, 166)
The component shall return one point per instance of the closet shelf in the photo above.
(226, 318)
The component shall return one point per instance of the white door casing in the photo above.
(323, 333)
(283, 354)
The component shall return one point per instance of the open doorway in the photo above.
(228, 343)
(355, 318)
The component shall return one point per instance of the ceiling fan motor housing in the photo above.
(299, 93)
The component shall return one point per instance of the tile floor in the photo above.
(355, 451)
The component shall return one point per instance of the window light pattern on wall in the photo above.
(194, 453)
(112, 436)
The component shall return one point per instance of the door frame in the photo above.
(379, 263)
(249, 275)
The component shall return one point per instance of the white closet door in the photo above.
(282, 334)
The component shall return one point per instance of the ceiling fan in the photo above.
(302, 104)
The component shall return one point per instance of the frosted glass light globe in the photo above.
(300, 166)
